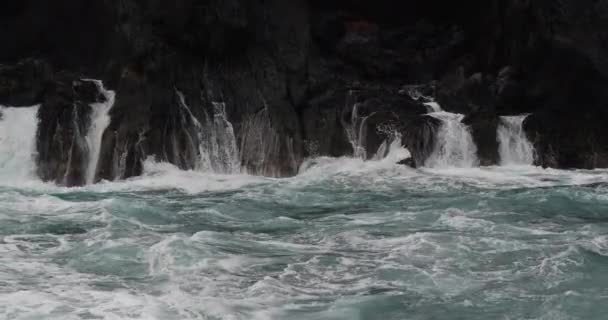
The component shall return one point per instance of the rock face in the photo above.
(64, 119)
(266, 84)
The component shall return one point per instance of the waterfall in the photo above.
(217, 146)
(219, 142)
(18, 128)
(356, 129)
(433, 106)
(197, 147)
(100, 120)
(455, 146)
(514, 146)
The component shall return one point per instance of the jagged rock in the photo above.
(569, 140)
(419, 136)
(282, 71)
(323, 126)
(373, 115)
(64, 118)
(483, 128)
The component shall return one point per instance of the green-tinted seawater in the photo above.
(343, 240)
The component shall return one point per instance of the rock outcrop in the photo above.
(270, 83)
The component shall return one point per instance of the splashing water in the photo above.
(433, 107)
(356, 127)
(345, 239)
(392, 150)
(455, 146)
(217, 146)
(221, 142)
(382, 151)
(17, 143)
(100, 120)
(514, 146)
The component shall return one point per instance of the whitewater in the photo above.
(344, 239)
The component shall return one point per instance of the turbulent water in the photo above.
(514, 146)
(455, 146)
(345, 239)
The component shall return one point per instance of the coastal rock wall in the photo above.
(288, 76)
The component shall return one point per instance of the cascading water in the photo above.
(217, 144)
(514, 146)
(433, 106)
(356, 129)
(455, 146)
(100, 120)
(17, 143)
(204, 159)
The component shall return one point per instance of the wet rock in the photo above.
(372, 115)
(64, 118)
(568, 126)
(283, 72)
(419, 136)
(408, 162)
(484, 128)
(569, 140)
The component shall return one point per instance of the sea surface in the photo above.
(345, 239)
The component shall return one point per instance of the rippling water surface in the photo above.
(343, 240)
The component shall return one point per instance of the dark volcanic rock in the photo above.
(376, 114)
(484, 128)
(419, 136)
(288, 73)
(227, 53)
(569, 140)
(64, 120)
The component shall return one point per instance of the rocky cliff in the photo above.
(275, 81)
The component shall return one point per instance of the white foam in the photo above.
(327, 267)
(455, 146)
(514, 146)
(433, 106)
(163, 176)
(18, 127)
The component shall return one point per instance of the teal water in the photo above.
(343, 240)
